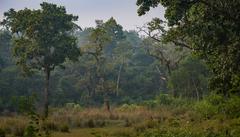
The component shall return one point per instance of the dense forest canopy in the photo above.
(116, 64)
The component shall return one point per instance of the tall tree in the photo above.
(43, 40)
(190, 78)
(211, 29)
(98, 39)
(122, 54)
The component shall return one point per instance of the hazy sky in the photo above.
(124, 11)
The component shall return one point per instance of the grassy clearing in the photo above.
(208, 118)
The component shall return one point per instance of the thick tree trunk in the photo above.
(118, 79)
(46, 93)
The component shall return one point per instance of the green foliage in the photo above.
(164, 99)
(210, 29)
(150, 103)
(127, 107)
(169, 100)
(217, 104)
(5, 44)
(30, 131)
(206, 109)
(73, 106)
(2, 133)
(231, 107)
(41, 44)
(36, 126)
(121, 58)
(190, 80)
(170, 133)
(26, 104)
(43, 39)
(145, 125)
(64, 128)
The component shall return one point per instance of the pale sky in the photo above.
(124, 11)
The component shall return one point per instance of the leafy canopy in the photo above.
(211, 29)
(43, 38)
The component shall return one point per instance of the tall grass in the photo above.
(212, 116)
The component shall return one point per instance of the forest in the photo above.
(172, 77)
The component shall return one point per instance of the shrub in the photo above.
(170, 133)
(150, 103)
(174, 122)
(2, 133)
(91, 123)
(30, 131)
(231, 107)
(216, 104)
(164, 99)
(64, 128)
(215, 99)
(206, 109)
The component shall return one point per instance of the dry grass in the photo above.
(61, 119)
(135, 115)
(96, 122)
(93, 132)
(13, 125)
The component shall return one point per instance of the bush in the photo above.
(91, 123)
(174, 122)
(30, 131)
(64, 128)
(215, 99)
(170, 133)
(2, 133)
(150, 103)
(206, 109)
(231, 107)
(217, 104)
(164, 99)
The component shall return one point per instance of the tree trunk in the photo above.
(169, 75)
(46, 93)
(196, 89)
(107, 105)
(118, 79)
